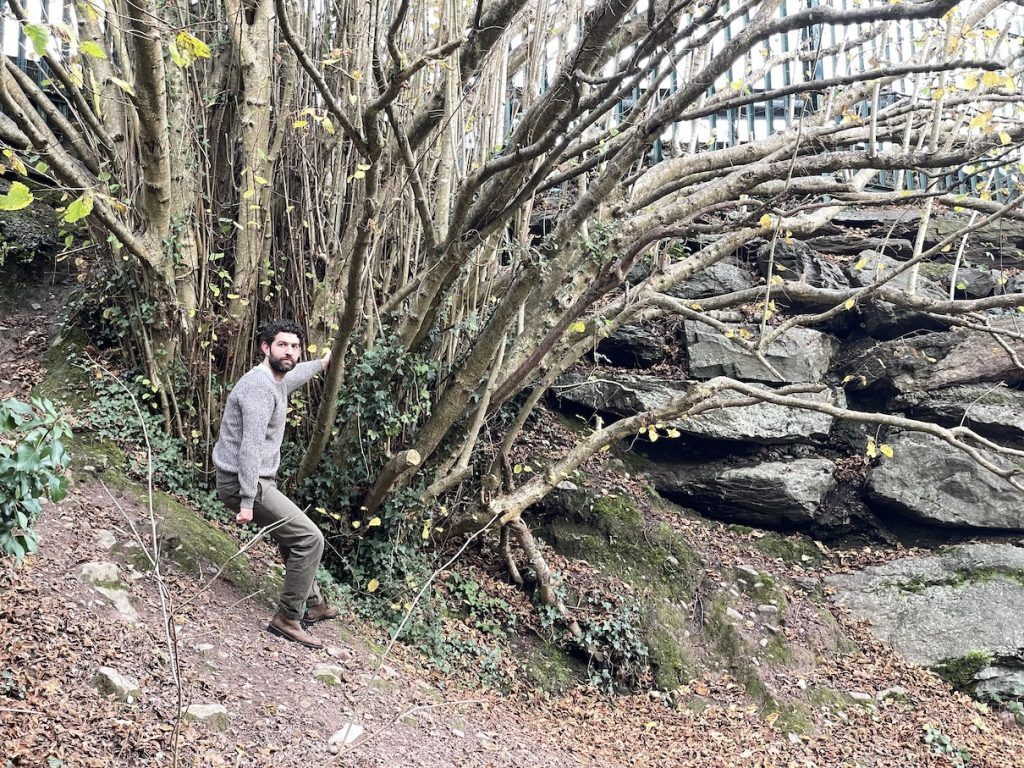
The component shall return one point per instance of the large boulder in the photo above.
(798, 262)
(933, 482)
(634, 346)
(775, 494)
(958, 611)
(882, 319)
(763, 423)
(718, 279)
(800, 355)
(936, 360)
(995, 412)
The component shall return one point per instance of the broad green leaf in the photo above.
(79, 209)
(39, 34)
(90, 48)
(18, 196)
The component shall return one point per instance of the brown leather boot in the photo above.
(291, 629)
(320, 612)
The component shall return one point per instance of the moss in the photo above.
(820, 697)
(670, 655)
(791, 549)
(65, 381)
(959, 673)
(763, 590)
(791, 717)
(777, 650)
(551, 669)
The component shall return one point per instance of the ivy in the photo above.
(32, 463)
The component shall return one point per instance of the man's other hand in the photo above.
(325, 361)
(244, 515)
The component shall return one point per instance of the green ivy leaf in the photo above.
(18, 196)
(90, 48)
(79, 209)
(39, 34)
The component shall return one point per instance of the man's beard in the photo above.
(281, 364)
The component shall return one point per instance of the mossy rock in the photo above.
(66, 381)
(960, 672)
(552, 669)
(609, 533)
(790, 549)
(791, 717)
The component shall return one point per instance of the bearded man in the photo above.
(247, 455)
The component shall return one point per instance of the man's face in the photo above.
(284, 353)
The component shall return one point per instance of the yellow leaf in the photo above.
(356, 74)
(991, 79)
(604, 449)
(886, 450)
(765, 221)
(780, 267)
(328, 125)
(970, 83)
(672, 432)
(861, 264)
(356, 523)
(652, 434)
(578, 327)
(991, 34)
(776, 280)
(517, 469)
(1004, 138)
(730, 333)
(89, 48)
(312, 348)
(744, 333)
(374, 522)
(371, 585)
(872, 451)
(736, 85)
(359, 175)
(947, 248)
(849, 303)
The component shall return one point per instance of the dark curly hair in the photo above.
(269, 332)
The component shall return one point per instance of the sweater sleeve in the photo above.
(257, 406)
(301, 373)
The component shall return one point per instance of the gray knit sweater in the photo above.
(252, 428)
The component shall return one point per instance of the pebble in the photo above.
(109, 681)
(345, 735)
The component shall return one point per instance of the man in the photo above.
(247, 455)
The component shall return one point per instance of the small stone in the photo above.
(100, 574)
(88, 468)
(337, 652)
(204, 648)
(110, 682)
(773, 629)
(672, 560)
(105, 540)
(733, 614)
(121, 602)
(749, 570)
(36, 305)
(214, 716)
(768, 609)
(763, 642)
(895, 693)
(388, 673)
(329, 674)
(567, 485)
(457, 733)
(346, 735)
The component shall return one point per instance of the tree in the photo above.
(455, 200)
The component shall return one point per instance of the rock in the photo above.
(764, 423)
(798, 262)
(103, 574)
(999, 682)
(330, 674)
(976, 283)
(634, 346)
(121, 603)
(935, 360)
(346, 735)
(801, 355)
(213, 716)
(110, 682)
(995, 412)
(337, 652)
(880, 318)
(774, 494)
(954, 611)
(844, 245)
(204, 648)
(895, 693)
(933, 482)
(749, 570)
(733, 614)
(768, 609)
(567, 485)
(105, 540)
(862, 698)
(716, 280)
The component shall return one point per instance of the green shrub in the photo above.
(32, 460)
